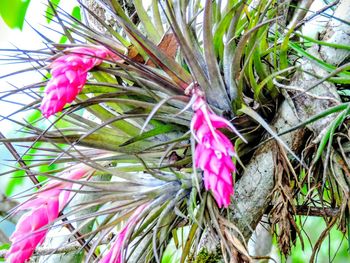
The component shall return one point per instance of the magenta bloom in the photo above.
(214, 151)
(115, 254)
(43, 209)
(69, 74)
(28, 235)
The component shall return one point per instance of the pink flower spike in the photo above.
(214, 151)
(115, 254)
(69, 73)
(43, 209)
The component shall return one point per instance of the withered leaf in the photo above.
(168, 45)
(134, 55)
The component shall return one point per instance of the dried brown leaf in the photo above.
(282, 212)
(134, 55)
(168, 45)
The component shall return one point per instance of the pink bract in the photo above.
(115, 254)
(69, 73)
(43, 209)
(214, 151)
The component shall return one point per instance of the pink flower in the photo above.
(69, 74)
(214, 151)
(28, 234)
(115, 254)
(43, 208)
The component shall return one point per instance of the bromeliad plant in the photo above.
(150, 122)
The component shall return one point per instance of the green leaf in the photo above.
(314, 118)
(4, 247)
(103, 114)
(76, 13)
(157, 18)
(17, 179)
(284, 50)
(259, 87)
(63, 39)
(321, 63)
(156, 131)
(50, 12)
(13, 12)
(323, 43)
(217, 83)
(188, 243)
(218, 38)
(152, 32)
(191, 57)
(328, 136)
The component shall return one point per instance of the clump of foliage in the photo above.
(131, 124)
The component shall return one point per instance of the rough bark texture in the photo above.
(99, 8)
(253, 190)
(99, 11)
